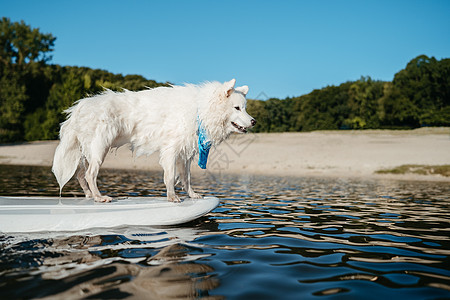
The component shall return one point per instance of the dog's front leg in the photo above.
(168, 163)
(185, 174)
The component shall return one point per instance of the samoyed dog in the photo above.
(177, 121)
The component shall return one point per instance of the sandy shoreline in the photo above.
(321, 153)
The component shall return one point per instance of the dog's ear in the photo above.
(229, 87)
(242, 89)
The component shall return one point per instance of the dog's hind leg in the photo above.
(81, 176)
(184, 168)
(167, 161)
(95, 161)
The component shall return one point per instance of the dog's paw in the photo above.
(194, 195)
(173, 198)
(103, 199)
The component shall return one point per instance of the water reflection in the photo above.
(163, 276)
(115, 264)
(269, 238)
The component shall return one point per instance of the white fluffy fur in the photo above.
(163, 119)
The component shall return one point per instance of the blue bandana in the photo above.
(204, 144)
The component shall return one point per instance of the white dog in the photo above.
(176, 121)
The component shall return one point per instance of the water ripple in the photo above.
(270, 238)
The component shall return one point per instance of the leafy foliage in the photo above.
(21, 44)
(33, 93)
(418, 96)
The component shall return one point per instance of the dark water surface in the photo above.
(270, 238)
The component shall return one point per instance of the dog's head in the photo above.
(239, 121)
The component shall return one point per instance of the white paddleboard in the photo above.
(35, 214)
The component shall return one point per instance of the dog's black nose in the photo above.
(253, 121)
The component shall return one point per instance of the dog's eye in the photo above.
(237, 108)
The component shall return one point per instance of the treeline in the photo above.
(33, 94)
(418, 96)
(34, 97)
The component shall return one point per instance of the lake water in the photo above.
(270, 238)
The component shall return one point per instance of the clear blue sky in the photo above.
(279, 48)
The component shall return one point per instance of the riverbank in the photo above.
(321, 153)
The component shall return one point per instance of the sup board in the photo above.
(36, 214)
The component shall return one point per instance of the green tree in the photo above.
(257, 109)
(12, 106)
(43, 124)
(363, 103)
(277, 115)
(22, 44)
(420, 94)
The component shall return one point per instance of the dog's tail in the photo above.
(67, 155)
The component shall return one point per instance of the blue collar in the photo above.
(204, 144)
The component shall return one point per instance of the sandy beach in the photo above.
(356, 154)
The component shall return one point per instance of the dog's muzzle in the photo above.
(239, 127)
